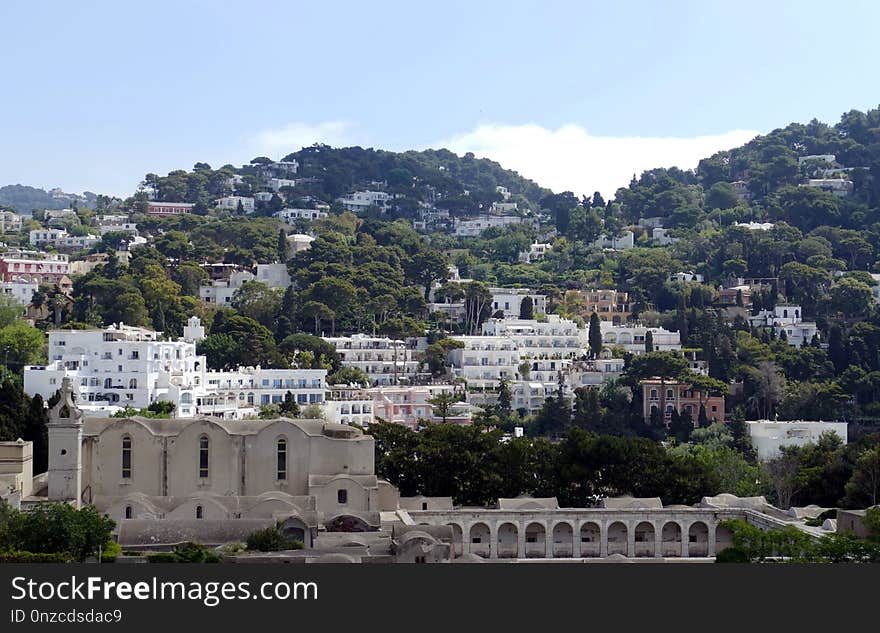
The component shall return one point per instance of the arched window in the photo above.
(281, 454)
(669, 393)
(126, 457)
(133, 383)
(653, 394)
(199, 512)
(108, 383)
(127, 512)
(203, 456)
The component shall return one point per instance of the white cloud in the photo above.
(278, 142)
(570, 159)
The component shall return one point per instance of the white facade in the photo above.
(9, 222)
(273, 275)
(484, 360)
(124, 366)
(509, 301)
(276, 184)
(536, 252)
(230, 203)
(625, 241)
(291, 215)
(221, 291)
(555, 337)
(686, 276)
(46, 236)
(410, 405)
(500, 208)
(384, 360)
(363, 200)
(59, 238)
(116, 223)
(298, 242)
(788, 318)
(836, 186)
(768, 436)
(632, 338)
(119, 365)
(660, 235)
(346, 404)
(19, 291)
(473, 227)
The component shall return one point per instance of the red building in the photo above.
(169, 208)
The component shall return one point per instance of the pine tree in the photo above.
(595, 335)
(527, 309)
(282, 245)
(504, 400)
(649, 342)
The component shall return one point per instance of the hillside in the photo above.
(25, 199)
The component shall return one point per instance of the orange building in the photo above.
(670, 395)
(611, 305)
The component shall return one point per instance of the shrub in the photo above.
(110, 552)
(732, 555)
(31, 557)
(271, 539)
(188, 552)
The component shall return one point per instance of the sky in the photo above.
(576, 95)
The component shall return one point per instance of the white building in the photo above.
(9, 222)
(786, 318)
(169, 208)
(632, 337)
(298, 242)
(60, 239)
(19, 291)
(768, 436)
(536, 252)
(230, 203)
(120, 365)
(273, 275)
(509, 301)
(291, 215)
(836, 186)
(660, 235)
(221, 291)
(831, 159)
(484, 360)
(501, 208)
(553, 338)
(686, 276)
(410, 405)
(384, 360)
(123, 366)
(756, 226)
(55, 217)
(472, 227)
(623, 242)
(363, 200)
(277, 184)
(263, 196)
(347, 404)
(117, 224)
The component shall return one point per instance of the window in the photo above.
(199, 512)
(424, 505)
(342, 496)
(128, 512)
(126, 457)
(281, 454)
(203, 456)
(133, 383)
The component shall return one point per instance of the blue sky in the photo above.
(577, 95)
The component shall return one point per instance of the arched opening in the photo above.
(133, 383)
(126, 457)
(128, 512)
(644, 539)
(590, 540)
(617, 535)
(508, 541)
(457, 539)
(479, 537)
(204, 456)
(536, 541)
(108, 383)
(200, 513)
(670, 544)
(563, 540)
(348, 523)
(698, 539)
(281, 459)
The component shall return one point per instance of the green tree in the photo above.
(526, 309)
(595, 335)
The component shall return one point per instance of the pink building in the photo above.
(169, 208)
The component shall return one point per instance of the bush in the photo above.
(31, 557)
(271, 540)
(186, 553)
(732, 555)
(110, 552)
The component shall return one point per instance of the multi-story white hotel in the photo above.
(384, 360)
(221, 291)
(553, 337)
(472, 227)
(485, 360)
(59, 238)
(19, 291)
(632, 338)
(123, 366)
(117, 224)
